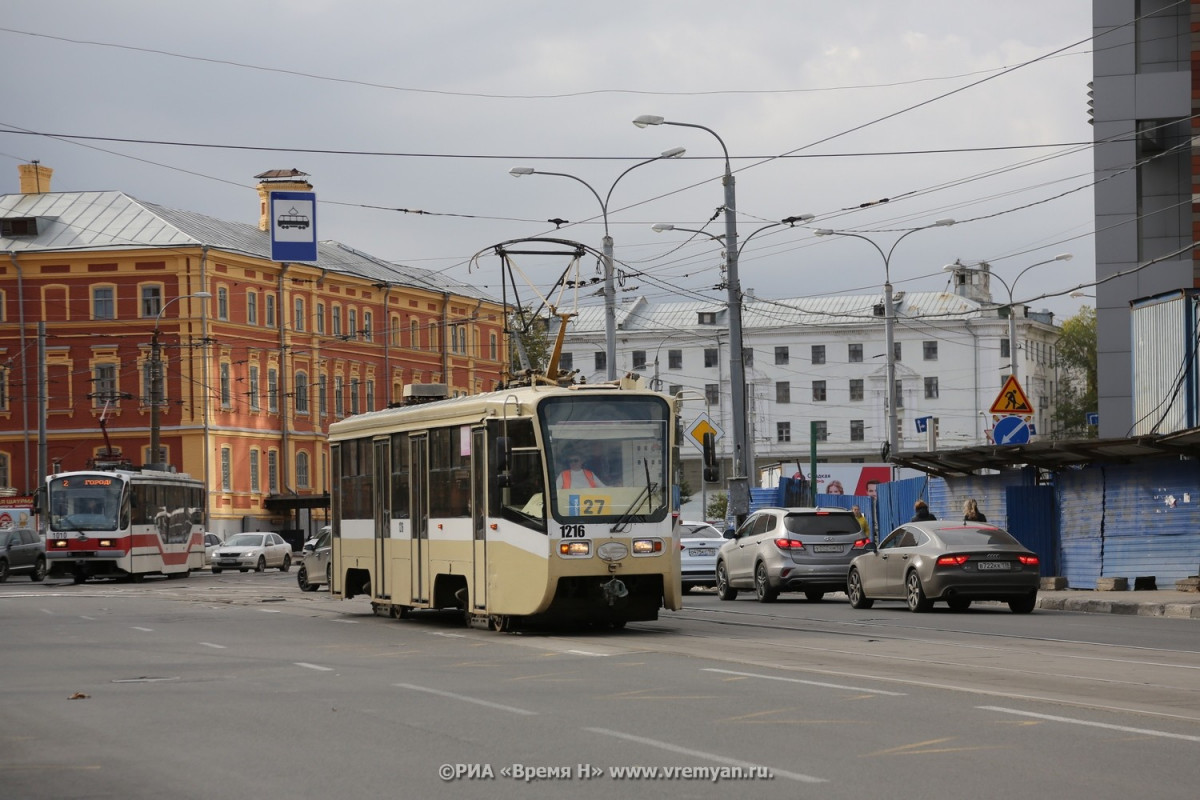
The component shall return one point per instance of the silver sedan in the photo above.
(955, 562)
(252, 551)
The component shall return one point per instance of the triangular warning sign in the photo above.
(1012, 399)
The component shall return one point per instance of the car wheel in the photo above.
(917, 601)
(39, 570)
(762, 586)
(302, 580)
(1024, 605)
(724, 590)
(3, 570)
(814, 597)
(854, 589)
(287, 563)
(261, 566)
(958, 604)
(216, 570)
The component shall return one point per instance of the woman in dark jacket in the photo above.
(921, 512)
(971, 512)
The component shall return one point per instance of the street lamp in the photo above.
(610, 294)
(889, 320)
(1012, 316)
(156, 386)
(743, 452)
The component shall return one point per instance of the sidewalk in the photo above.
(1153, 603)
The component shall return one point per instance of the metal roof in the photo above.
(100, 221)
(1054, 455)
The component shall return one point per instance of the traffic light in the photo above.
(712, 473)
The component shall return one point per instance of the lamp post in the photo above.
(743, 453)
(156, 387)
(610, 293)
(889, 320)
(983, 266)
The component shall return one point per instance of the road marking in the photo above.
(214, 646)
(1105, 725)
(466, 699)
(807, 683)
(690, 751)
(587, 653)
(317, 667)
(147, 630)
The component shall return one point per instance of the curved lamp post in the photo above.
(156, 384)
(610, 294)
(889, 319)
(1009, 287)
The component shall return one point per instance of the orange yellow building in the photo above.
(252, 374)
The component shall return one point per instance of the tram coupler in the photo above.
(614, 590)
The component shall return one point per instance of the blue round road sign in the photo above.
(1011, 430)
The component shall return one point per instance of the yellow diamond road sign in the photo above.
(700, 426)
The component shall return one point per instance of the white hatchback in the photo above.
(698, 545)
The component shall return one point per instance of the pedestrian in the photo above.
(921, 512)
(971, 512)
(862, 521)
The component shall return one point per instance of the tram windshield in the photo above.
(84, 502)
(607, 457)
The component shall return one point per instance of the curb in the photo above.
(1130, 608)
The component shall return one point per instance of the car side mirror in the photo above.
(308, 548)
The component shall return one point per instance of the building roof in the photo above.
(99, 221)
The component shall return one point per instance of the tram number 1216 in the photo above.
(571, 531)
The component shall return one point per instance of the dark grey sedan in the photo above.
(924, 562)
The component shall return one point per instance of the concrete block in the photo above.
(1056, 584)
(1191, 584)
(1145, 583)
(1112, 584)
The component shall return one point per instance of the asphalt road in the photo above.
(242, 685)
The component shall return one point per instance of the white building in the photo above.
(817, 365)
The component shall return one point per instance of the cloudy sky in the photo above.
(965, 109)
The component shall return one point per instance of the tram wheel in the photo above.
(501, 623)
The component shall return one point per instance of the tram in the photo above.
(538, 503)
(123, 523)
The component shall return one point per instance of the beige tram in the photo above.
(539, 503)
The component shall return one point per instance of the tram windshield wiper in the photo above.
(647, 493)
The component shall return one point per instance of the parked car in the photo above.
(790, 550)
(211, 543)
(698, 546)
(320, 533)
(252, 551)
(316, 566)
(22, 550)
(924, 562)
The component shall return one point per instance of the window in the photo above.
(706, 317)
(270, 309)
(931, 388)
(339, 407)
(929, 350)
(781, 355)
(222, 303)
(712, 394)
(252, 390)
(226, 470)
(226, 389)
(818, 354)
(783, 392)
(856, 430)
(783, 431)
(1004, 351)
(323, 395)
(104, 385)
(5, 475)
(639, 359)
(151, 301)
(301, 392)
(711, 357)
(272, 390)
(3, 397)
(366, 330)
(566, 362)
(820, 430)
(337, 321)
(493, 347)
(352, 323)
(818, 389)
(601, 362)
(273, 471)
(369, 400)
(896, 351)
(299, 313)
(856, 389)
(320, 321)
(148, 384)
(302, 469)
(674, 359)
(414, 335)
(354, 395)
(251, 308)
(254, 485)
(899, 394)
(854, 353)
(674, 389)
(103, 303)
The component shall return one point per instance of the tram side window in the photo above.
(400, 479)
(449, 474)
(356, 486)
(525, 491)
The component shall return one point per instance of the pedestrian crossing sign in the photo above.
(1012, 399)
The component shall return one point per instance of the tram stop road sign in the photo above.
(700, 426)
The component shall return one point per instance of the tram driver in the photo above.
(576, 475)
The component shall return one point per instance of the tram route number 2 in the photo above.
(572, 531)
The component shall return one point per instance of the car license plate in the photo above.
(702, 551)
(999, 565)
(827, 548)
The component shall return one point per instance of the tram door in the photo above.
(383, 519)
(418, 464)
(479, 516)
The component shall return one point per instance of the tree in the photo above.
(1077, 376)
(718, 504)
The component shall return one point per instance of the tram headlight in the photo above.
(645, 547)
(61, 544)
(106, 542)
(574, 548)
